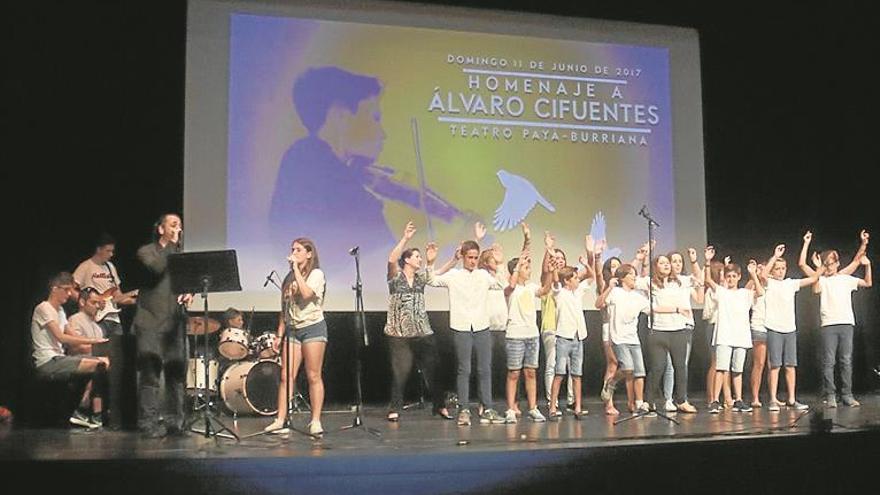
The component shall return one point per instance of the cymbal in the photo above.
(195, 325)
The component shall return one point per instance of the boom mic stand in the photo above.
(360, 326)
(651, 224)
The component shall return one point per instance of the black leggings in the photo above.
(675, 343)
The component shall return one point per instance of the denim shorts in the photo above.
(781, 349)
(629, 358)
(316, 332)
(522, 353)
(569, 356)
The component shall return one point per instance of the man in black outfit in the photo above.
(159, 326)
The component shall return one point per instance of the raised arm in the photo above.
(802, 259)
(778, 252)
(753, 278)
(867, 281)
(707, 271)
(546, 268)
(863, 247)
(408, 232)
(450, 264)
(597, 267)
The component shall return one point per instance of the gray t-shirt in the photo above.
(46, 346)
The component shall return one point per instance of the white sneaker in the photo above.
(670, 406)
(510, 417)
(643, 407)
(315, 428)
(536, 416)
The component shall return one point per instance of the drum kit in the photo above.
(246, 375)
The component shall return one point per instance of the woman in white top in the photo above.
(302, 320)
(835, 288)
(676, 262)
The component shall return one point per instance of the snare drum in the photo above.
(249, 387)
(234, 344)
(263, 347)
(195, 375)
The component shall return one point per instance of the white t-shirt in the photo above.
(468, 296)
(497, 305)
(46, 346)
(732, 326)
(303, 315)
(98, 277)
(83, 324)
(835, 299)
(672, 295)
(570, 323)
(779, 298)
(688, 283)
(624, 307)
(522, 322)
(759, 313)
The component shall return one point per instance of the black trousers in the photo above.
(403, 351)
(675, 343)
(161, 354)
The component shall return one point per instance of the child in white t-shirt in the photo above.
(779, 320)
(835, 288)
(571, 330)
(733, 335)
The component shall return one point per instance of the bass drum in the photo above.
(251, 387)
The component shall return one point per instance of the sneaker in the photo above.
(642, 408)
(797, 406)
(510, 417)
(96, 421)
(686, 407)
(80, 419)
(652, 411)
(670, 406)
(316, 429)
(714, 407)
(740, 406)
(491, 416)
(851, 402)
(607, 390)
(774, 406)
(464, 417)
(536, 416)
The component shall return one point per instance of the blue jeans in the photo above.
(837, 345)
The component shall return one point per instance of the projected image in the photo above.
(343, 132)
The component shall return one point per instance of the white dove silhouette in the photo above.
(597, 231)
(520, 197)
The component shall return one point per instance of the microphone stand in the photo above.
(360, 326)
(651, 224)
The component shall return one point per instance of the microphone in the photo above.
(268, 278)
(647, 216)
(642, 212)
(353, 251)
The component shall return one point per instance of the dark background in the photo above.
(95, 98)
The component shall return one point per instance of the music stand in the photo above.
(202, 273)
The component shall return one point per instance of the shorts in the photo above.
(522, 353)
(729, 358)
(316, 332)
(781, 349)
(61, 367)
(759, 336)
(629, 358)
(569, 356)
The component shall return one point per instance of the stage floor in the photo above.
(420, 432)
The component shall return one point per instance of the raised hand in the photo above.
(457, 253)
(864, 261)
(752, 267)
(864, 236)
(409, 231)
(779, 251)
(808, 237)
(817, 260)
(549, 241)
(479, 231)
(527, 233)
(431, 253)
(613, 282)
(589, 244)
(726, 260)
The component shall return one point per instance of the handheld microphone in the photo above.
(268, 278)
(353, 251)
